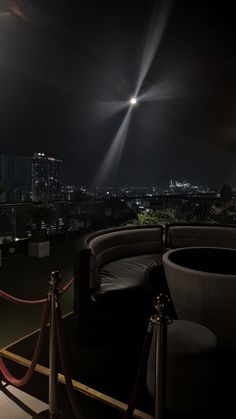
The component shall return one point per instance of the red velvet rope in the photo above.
(16, 300)
(64, 364)
(21, 382)
(68, 285)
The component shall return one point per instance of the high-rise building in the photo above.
(45, 177)
(14, 178)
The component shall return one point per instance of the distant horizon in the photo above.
(162, 184)
(107, 187)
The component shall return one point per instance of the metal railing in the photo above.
(17, 220)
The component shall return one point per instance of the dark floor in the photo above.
(90, 408)
(106, 360)
(27, 277)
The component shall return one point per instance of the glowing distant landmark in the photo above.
(171, 184)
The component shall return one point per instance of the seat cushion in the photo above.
(191, 363)
(127, 273)
(125, 286)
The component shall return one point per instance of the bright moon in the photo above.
(133, 101)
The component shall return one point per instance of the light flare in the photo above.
(178, 85)
(109, 108)
(153, 41)
(112, 159)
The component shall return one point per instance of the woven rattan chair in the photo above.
(202, 284)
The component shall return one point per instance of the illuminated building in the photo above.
(45, 177)
(15, 178)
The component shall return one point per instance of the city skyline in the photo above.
(64, 68)
(21, 180)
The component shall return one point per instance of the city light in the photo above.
(133, 101)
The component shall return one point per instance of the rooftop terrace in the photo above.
(103, 361)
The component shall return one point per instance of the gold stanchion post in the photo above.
(53, 412)
(54, 280)
(160, 321)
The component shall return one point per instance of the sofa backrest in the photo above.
(200, 235)
(112, 244)
(126, 243)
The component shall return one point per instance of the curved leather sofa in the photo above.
(119, 264)
(114, 264)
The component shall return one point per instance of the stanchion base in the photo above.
(46, 414)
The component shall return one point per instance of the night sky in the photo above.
(63, 63)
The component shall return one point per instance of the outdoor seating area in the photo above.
(126, 262)
(117, 272)
(112, 268)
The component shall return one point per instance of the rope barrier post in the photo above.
(141, 372)
(54, 280)
(160, 321)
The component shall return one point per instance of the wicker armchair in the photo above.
(202, 284)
